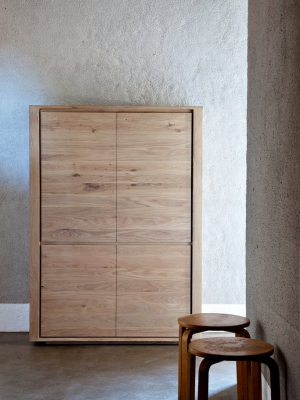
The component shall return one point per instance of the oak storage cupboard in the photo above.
(115, 222)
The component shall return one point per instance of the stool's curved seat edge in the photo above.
(231, 349)
(214, 322)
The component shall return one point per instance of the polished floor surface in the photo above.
(93, 372)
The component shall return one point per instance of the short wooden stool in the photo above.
(215, 350)
(196, 323)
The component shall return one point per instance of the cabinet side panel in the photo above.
(34, 253)
(153, 289)
(197, 213)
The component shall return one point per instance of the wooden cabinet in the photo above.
(153, 288)
(78, 290)
(115, 243)
(154, 177)
(78, 177)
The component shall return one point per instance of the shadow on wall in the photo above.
(14, 244)
(279, 357)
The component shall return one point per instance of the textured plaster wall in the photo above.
(273, 201)
(134, 52)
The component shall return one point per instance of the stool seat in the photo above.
(214, 322)
(230, 348)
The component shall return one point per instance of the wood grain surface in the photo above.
(34, 199)
(153, 287)
(114, 178)
(231, 348)
(154, 177)
(78, 290)
(197, 212)
(214, 321)
(78, 177)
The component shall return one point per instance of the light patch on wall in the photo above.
(14, 317)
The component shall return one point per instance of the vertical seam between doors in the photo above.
(116, 223)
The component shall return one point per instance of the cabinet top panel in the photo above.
(116, 109)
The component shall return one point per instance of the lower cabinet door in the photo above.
(78, 291)
(153, 289)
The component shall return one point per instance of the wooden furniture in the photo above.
(215, 350)
(197, 323)
(115, 222)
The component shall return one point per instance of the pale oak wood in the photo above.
(82, 198)
(78, 159)
(34, 249)
(110, 339)
(154, 136)
(153, 286)
(78, 292)
(154, 177)
(197, 212)
(118, 109)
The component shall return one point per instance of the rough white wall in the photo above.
(134, 52)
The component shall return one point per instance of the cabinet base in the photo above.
(107, 340)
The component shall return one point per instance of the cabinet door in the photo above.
(153, 289)
(154, 177)
(78, 293)
(78, 177)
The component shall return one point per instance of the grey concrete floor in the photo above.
(93, 372)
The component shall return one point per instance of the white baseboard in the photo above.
(15, 317)
(235, 309)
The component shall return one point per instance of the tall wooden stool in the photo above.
(215, 350)
(196, 323)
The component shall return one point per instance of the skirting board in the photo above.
(15, 317)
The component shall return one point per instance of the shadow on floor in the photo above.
(227, 394)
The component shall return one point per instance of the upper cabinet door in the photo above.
(154, 177)
(78, 177)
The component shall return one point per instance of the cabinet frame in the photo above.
(35, 213)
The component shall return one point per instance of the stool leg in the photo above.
(203, 378)
(274, 372)
(181, 330)
(243, 371)
(256, 380)
(187, 368)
